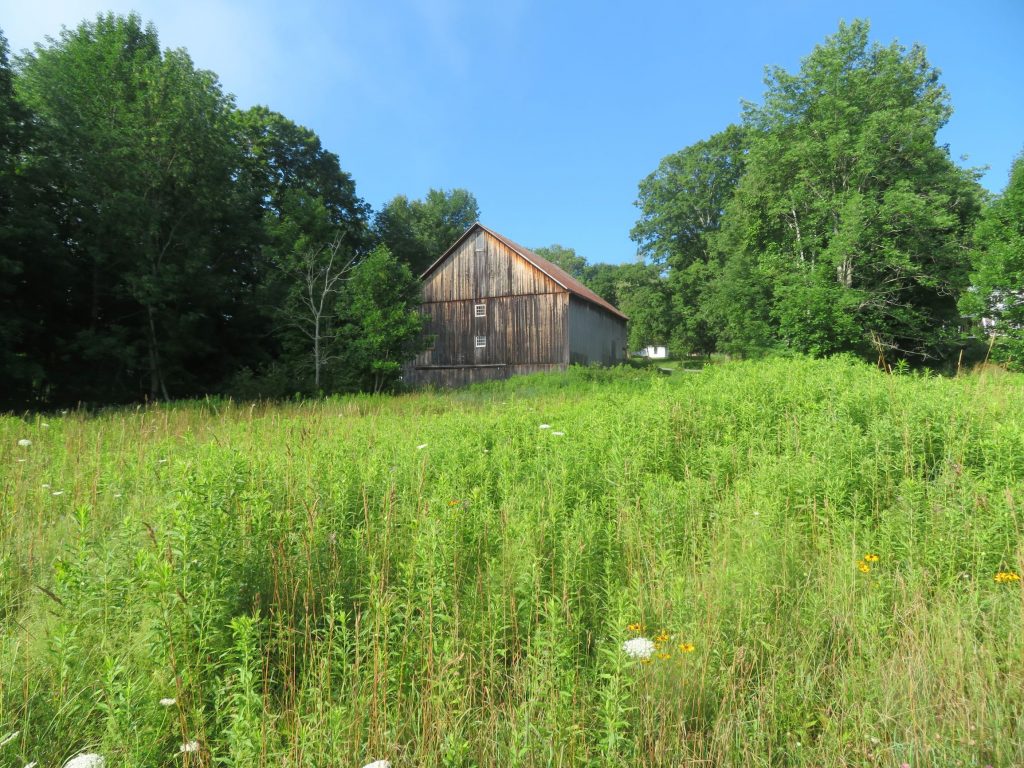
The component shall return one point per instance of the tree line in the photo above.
(828, 220)
(158, 242)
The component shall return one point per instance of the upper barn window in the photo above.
(481, 341)
(479, 310)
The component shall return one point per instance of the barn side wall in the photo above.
(595, 336)
(516, 330)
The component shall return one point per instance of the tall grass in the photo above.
(436, 580)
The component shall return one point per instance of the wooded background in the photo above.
(157, 242)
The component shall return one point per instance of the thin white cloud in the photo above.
(245, 44)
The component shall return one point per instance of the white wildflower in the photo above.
(9, 738)
(638, 648)
(545, 426)
(21, 461)
(44, 425)
(189, 746)
(46, 485)
(86, 760)
(378, 764)
(558, 434)
(58, 493)
(117, 495)
(162, 461)
(168, 702)
(421, 447)
(33, 764)
(24, 442)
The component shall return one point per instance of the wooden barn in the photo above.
(498, 309)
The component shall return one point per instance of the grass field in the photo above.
(449, 579)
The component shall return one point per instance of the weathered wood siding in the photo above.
(525, 325)
(483, 267)
(517, 330)
(595, 336)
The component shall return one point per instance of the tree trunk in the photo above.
(844, 272)
(796, 226)
(157, 386)
(316, 354)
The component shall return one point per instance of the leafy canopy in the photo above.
(997, 293)
(418, 232)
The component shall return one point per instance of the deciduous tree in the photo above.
(418, 232)
(848, 209)
(383, 323)
(681, 205)
(566, 258)
(136, 145)
(996, 297)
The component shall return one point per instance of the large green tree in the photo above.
(681, 205)
(418, 232)
(566, 258)
(996, 297)
(314, 228)
(642, 294)
(137, 146)
(282, 158)
(382, 322)
(848, 228)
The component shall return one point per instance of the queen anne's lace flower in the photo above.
(379, 764)
(86, 760)
(638, 648)
(189, 746)
(24, 442)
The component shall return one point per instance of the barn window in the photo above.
(479, 310)
(481, 341)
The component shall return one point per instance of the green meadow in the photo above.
(448, 579)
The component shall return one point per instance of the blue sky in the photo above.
(552, 112)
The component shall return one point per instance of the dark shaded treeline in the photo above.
(157, 242)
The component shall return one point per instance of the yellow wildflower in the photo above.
(870, 558)
(687, 647)
(664, 656)
(636, 627)
(662, 637)
(863, 567)
(1006, 577)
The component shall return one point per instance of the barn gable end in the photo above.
(481, 266)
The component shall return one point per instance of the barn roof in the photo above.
(553, 271)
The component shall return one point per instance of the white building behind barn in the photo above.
(653, 352)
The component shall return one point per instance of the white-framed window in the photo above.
(481, 342)
(479, 310)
